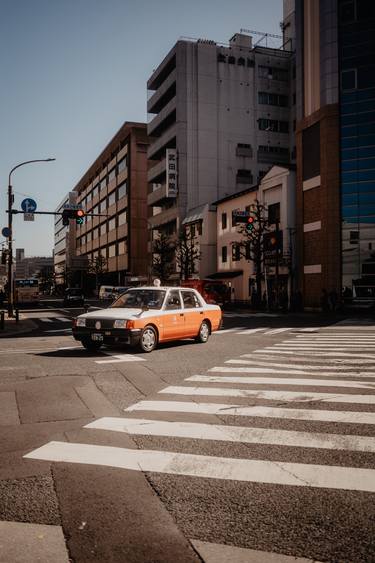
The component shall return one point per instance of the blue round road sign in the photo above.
(5, 232)
(28, 205)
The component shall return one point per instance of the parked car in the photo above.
(106, 292)
(74, 296)
(119, 290)
(145, 316)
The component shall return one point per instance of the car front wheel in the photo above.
(148, 339)
(204, 332)
(90, 345)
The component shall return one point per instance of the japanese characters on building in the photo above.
(172, 186)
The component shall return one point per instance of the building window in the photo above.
(224, 253)
(95, 234)
(221, 58)
(102, 206)
(103, 229)
(349, 79)
(199, 228)
(112, 251)
(236, 252)
(247, 250)
(311, 152)
(121, 190)
(273, 125)
(244, 177)
(192, 230)
(121, 165)
(112, 224)
(272, 73)
(112, 175)
(223, 221)
(274, 213)
(95, 190)
(103, 184)
(231, 60)
(270, 99)
(122, 218)
(112, 198)
(121, 247)
(241, 61)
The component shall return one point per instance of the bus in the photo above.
(26, 290)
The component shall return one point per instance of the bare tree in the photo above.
(187, 253)
(98, 266)
(252, 246)
(163, 248)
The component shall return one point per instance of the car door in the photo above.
(193, 312)
(173, 316)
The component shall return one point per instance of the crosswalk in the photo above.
(306, 403)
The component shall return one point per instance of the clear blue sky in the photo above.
(72, 71)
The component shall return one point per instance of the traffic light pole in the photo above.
(10, 249)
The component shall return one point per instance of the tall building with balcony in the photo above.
(114, 191)
(219, 119)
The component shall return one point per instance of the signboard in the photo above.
(72, 206)
(28, 205)
(28, 216)
(171, 167)
(5, 232)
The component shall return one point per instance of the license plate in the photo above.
(97, 337)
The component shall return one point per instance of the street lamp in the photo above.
(10, 238)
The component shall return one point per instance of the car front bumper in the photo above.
(110, 336)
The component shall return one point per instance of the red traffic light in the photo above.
(250, 219)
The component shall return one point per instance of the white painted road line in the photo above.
(299, 397)
(293, 368)
(238, 434)
(276, 331)
(333, 361)
(228, 330)
(287, 370)
(252, 330)
(276, 350)
(255, 471)
(282, 381)
(118, 358)
(346, 417)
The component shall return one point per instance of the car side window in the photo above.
(190, 300)
(173, 300)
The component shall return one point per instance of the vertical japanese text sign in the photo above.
(171, 163)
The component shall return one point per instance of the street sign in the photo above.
(28, 216)
(28, 205)
(5, 232)
(72, 206)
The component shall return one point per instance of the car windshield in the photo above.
(138, 298)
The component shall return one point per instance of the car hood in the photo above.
(116, 313)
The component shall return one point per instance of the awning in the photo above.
(225, 275)
(195, 215)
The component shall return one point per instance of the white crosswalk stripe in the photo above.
(282, 381)
(119, 358)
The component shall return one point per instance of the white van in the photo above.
(106, 292)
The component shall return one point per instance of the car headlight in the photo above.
(120, 323)
(81, 322)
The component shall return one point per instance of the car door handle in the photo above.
(181, 314)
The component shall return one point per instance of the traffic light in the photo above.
(77, 214)
(249, 224)
(80, 214)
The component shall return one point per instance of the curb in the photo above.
(30, 326)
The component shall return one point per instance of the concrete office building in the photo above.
(336, 148)
(65, 243)
(115, 187)
(219, 118)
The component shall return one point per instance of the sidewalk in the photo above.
(12, 328)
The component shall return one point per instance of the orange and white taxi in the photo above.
(145, 316)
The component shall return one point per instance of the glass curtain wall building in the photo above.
(356, 30)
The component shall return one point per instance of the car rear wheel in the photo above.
(149, 339)
(204, 332)
(90, 345)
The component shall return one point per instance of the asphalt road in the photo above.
(261, 439)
